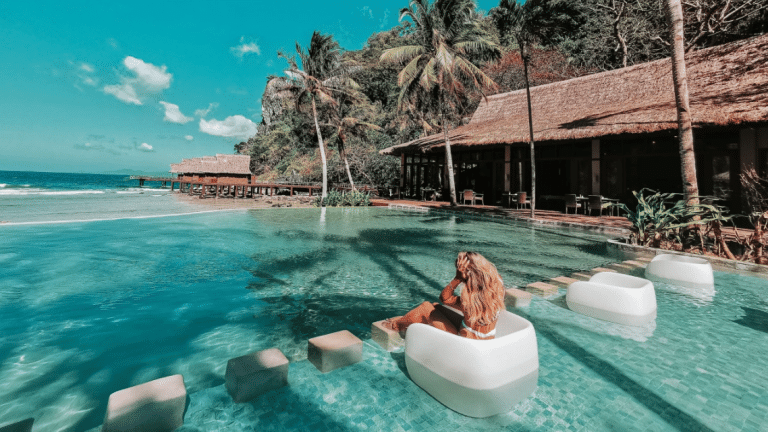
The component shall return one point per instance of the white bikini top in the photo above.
(477, 333)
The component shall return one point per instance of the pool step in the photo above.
(621, 267)
(514, 297)
(562, 281)
(645, 260)
(580, 276)
(541, 289)
(601, 270)
(634, 263)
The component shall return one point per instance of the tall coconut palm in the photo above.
(319, 77)
(685, 129)
(346, 124)
(438, 66)
(527, 24)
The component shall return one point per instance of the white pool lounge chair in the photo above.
(689, 272)
(614, 297)
(477, 378)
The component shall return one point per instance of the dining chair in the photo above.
(478, 197)
(468, 195)
(571, 202)
(522, 200)
(596, 203)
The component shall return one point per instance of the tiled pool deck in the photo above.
(700, 366)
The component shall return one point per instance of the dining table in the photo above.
(509, 198)
(613, 202)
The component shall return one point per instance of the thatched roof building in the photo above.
(728, 85)
(221, 164)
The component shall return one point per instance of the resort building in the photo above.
(609, 134)
(222, 168)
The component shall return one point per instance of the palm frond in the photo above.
(401, 55)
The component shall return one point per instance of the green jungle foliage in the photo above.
(365, 117)
(344, 199)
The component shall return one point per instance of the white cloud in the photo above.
(148, 79)
(245, 48)
(85, 67)
(90, 81)
(149, 75)
(124, 92)
(204, 112)
(145, 147)
(189, 137)
(173, 114)
(89, 146)
(232, 127)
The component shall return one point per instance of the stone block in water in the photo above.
(514, 297)
(256, 373)
(334, 350)
(155, 406)
(389, 339)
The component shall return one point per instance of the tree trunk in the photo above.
(322, 155)
(343, 151)
(449, 158)
(524, 56)
(685, 130)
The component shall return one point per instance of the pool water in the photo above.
(87, 309)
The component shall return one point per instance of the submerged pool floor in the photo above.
(82, 317)
(700, 366)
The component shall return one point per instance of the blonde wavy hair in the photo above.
(483, 295)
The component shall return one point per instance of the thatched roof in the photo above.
(728, 85)
(219, 164)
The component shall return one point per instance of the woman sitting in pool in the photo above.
(482, 298)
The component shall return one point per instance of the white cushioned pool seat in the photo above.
(614, 297)
(477, 378)
(689, 272)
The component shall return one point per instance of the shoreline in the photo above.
(198, 206)
(277, 201)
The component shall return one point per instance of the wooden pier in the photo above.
(213, 188)
(163, 180)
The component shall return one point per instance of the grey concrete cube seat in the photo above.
(155, 406)
(334, 350)
(256, 373)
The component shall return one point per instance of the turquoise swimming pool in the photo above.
(87, 309)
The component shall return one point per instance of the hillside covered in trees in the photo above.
(351, 103)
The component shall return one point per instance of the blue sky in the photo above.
(108, 85)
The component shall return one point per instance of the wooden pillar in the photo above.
(595, 167)
(507, 169)
(747, 149)
(402, 174)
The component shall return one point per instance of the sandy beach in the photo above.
(246, 203)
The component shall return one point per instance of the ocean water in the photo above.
(34, 197)
(90, 308)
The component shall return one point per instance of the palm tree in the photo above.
(527, 24)
(346, 124)
(685, 130)
(437, 70)
(320, 76)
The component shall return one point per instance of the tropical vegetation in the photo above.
(440, 61)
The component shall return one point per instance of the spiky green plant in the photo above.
(668, 216)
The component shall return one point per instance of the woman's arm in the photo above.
(447, 298)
